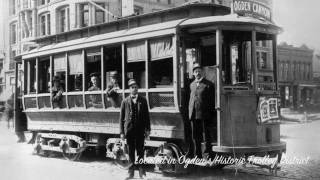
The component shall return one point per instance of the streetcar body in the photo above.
(158, 49)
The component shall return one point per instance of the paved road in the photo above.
(18, 163)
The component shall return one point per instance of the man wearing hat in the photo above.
(57, 91)
(134, 126)
(112, 88)
(201, 110)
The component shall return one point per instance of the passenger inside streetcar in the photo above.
(95, 99)
(112, 89)
(57, 91)
(94, 82)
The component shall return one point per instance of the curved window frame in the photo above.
(63, 26)
(44, 23)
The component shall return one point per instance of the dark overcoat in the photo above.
(202, 99)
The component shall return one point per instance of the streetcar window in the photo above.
(93, 67)
(191, 58)
(60, 67)
(161, 73)
(75, 63)
(264, 59)
(32, 84)
(236, 53)
(44, 75)
(161, 65)
(135, 67)
(113, 64)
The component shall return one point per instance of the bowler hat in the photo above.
(132, 82)
(196, 66)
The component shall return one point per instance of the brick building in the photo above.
(295, 75)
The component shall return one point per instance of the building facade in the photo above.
(295, 76)
(316, 66)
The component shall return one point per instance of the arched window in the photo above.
(63, 19)
(44, 24)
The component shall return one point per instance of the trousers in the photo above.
(135, 143)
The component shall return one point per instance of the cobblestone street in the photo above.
(17, 161)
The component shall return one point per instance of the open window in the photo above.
(161, 65)
(75, 64)
(113, 76)
(201, 49)
(113, 64)
(32, 84)
(60, 68)
(264, 60)
(236, 62)
(44, 75)
(161, 93)
(136, 63)
(44, 82)
(93, 67)
(93, 78)
(75, 79)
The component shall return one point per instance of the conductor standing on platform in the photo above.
(134, 125)
(201, 111)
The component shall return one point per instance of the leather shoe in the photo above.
(142, 173)
(131, 174)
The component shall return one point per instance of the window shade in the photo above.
(59, 63)
(75, 63)
(136, 51)
(161, 48)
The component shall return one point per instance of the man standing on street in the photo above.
(134, 125)
(201, 111)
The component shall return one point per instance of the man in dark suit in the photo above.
(201, 111)
(134, 125)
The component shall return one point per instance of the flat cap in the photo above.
(132, 82)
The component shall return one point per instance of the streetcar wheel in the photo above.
(65, 145)
(71, 156)
(170, 153)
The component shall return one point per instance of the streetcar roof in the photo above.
(233, 18)
(143, 32)
(228, 19)
(149, 31)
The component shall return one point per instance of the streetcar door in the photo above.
(201, 49)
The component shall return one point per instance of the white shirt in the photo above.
(134, 98)
(198, 81)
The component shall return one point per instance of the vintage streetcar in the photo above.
(158, 50)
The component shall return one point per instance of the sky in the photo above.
(300, 20)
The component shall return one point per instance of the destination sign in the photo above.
(252, 8)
